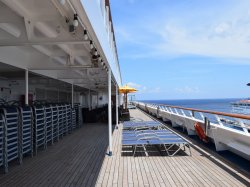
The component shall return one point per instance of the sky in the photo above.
(184, 49)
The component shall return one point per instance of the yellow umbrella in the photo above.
(125, 90)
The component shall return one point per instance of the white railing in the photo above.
(228, 131)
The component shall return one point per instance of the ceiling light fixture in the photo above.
(85, 34)
(75, 22)
(91, 44)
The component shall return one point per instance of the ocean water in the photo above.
(220, 105)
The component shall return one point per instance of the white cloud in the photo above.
(223, 41)
(122, 33)
(222, 27)
(224, 35)
(143, 89)
(187, 90)
(134, 85)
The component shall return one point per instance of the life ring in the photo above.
(200, 132)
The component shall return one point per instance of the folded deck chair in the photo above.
(142, 126)
(156, 141)
(147, 131)
(148, 135)
(140, 122)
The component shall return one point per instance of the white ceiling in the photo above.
(34, 35)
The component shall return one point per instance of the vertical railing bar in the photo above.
(202, 116)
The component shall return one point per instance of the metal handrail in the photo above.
(240, 116)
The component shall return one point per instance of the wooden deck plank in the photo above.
(80, 159)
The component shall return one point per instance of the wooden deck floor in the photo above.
(79, 159)
(195, 170)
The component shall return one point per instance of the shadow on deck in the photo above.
(75, 160)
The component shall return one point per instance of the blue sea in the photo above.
(220, 105)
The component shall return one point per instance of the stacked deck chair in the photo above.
(55, 123)
(25, 131)
(64, 116)
(152, 136)
(39, 128)
(60, 120)
(68, 118)
(48, 125)
(78, 114)
(2, 128)
(11, 136)
(73, 118)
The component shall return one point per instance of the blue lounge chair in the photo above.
(138, 126)
(154, 141)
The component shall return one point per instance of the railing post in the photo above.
(243, 126)
(219, 121)
(109, 113)
(192, 113)
(207, 124)
(176, 111)
(182, 112)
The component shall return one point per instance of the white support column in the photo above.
(89, 100)
(72, 95)
(109, 113)
(26, 87)
(117, 122)
(97, 100)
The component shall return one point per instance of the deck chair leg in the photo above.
(166, 149)
(170, 146)
(176, 151)
(145, 150)
(134, 150)
(189, 150)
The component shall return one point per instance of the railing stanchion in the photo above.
(192, 113)
(207, 124)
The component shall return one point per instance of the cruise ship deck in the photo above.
(80, 160)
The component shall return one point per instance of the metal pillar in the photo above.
(109, 113)
(117, 122)
(72, 95)
(26, 87)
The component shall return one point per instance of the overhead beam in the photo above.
(9, 43)
(82, 78)
(59, 68)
